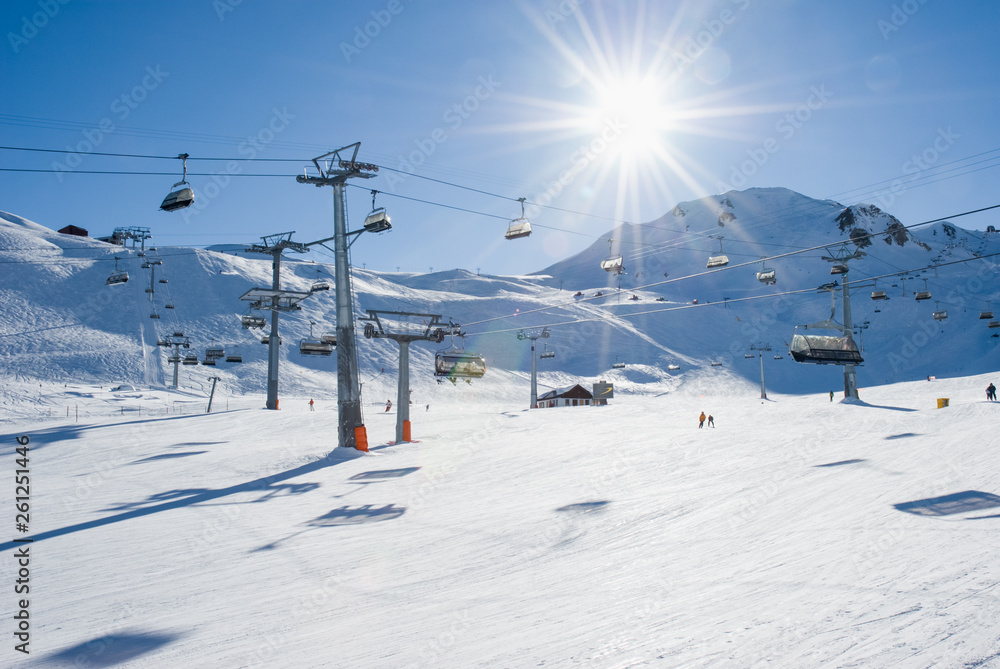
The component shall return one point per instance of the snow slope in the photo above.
(798, 533)
(61, 323)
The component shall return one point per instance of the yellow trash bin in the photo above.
(942, 402)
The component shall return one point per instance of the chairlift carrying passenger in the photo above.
(454, 362)
(519, 227)
(179, 197)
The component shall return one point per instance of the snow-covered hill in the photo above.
(60, 321)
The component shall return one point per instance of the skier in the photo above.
(388, 405)
(711, 421)
(991, 392)
(311, 405)
(831, 395)
(701, 420)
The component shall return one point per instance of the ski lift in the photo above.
(314, 346)
(716, 363)
(179, 197)
(613, 263)
(766, 275)
(319, 284)
(209, 362)
(749, 356)
(162, 281)
(825, 349)
(673, 367)
(190, 359)
(923, 294)
(879, 295)
(939, 315)
(993, 324)
(251, 321)
(779, 357)
(618, 365)
(378, 220)
(173, 359)
(145, 264)
(168, 305)
(986, 315)
(118, 276)
(839, 268)
(266, 339)
(155, 315)
(454, 362)
(519, 227)
(329, 338)
(214, 352)
(546, 354)
(233, 355)
(719, 260)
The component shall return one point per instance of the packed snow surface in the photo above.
(800, 532)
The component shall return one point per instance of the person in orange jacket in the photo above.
(701, 420)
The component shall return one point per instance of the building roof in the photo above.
(572, 392)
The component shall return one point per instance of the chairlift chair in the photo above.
(749, 356)
(215, 352)
(922, 295)
(251, 321)
(319, 284)
(234, 355)
(454, 362)
(940, 315)
(716, 363)
(162, 281)
(179, 198)
(993, 324)
(838, 269)
(314, 346)
(173, 358)
(547, 354)
(519, 227)
(879, 295)
(210, 362)
(614, 263)
(329, 338)
(719, 260)
(154, 315)
(985, 315)
(767, 277)
(377, 220)
(190, 359)
(118, 276)
(820, 349)
(266, 339)
(168, 305)
(779, 357)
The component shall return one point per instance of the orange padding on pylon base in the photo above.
(406, 430)
(361, 438)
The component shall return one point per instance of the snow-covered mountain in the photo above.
(62, 322)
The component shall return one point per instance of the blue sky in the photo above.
(634, 106)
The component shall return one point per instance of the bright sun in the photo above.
(630, 115)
